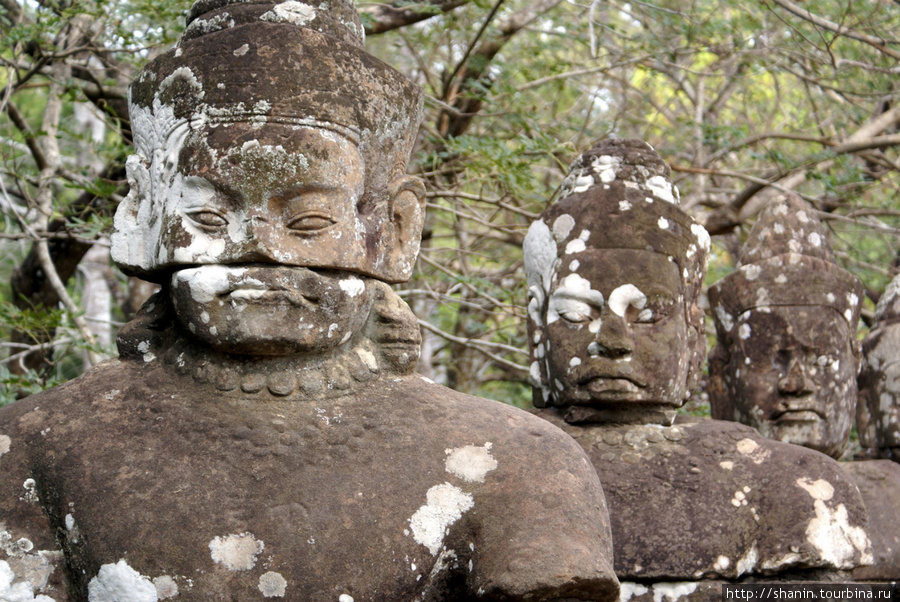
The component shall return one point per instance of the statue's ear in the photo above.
(407, 214)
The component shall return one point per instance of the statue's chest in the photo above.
(233, 506)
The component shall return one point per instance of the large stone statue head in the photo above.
(878, 410)
(268, 183)
(614, 272)
(787, 356)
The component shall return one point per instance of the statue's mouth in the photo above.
(267, 285)
(611, 385)
(270, 297)
(799, 415)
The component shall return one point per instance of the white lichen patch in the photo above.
(726, 465)
(5, 444)
(18, 592)
(751, 272)
(625, 296)
(575, 245)
(839, 543)
(353, 286)
(702, 236)
(747, 562)
(744, 331)
(574, 295)
(470, 463)
(751, 449)
(663, 188)
(117, 582)
(165, 587)
(345, 598)
(272, 585)
(31, 495)
(628, 590)
(725, 318)
(673, 591)
(663, 223)
(445, 505)
(819, 489)
(562, 227)
(236, 552)
(296, 13)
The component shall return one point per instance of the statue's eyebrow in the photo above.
(225, 194)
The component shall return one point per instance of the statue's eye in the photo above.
(575, 317)
(208, 218)
(307, 223)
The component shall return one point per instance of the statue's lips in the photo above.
(607, 385)
(270, 297)
(799, 415)
(275, 286)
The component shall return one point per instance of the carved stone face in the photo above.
(251, 214)
(273, 195)
(792, 375)
(615, 317)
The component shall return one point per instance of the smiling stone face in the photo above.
(791, 375)
(612, 322)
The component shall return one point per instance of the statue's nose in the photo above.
(795, 380)
(613, 339)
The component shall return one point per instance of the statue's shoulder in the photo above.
(488, 418)
(37, 412)
(879, 484)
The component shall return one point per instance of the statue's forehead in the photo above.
(655, 272)
(805, 326)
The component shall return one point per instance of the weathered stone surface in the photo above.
(614, 270)
(879, 484)
(262, 434)
(786, 320)
(714, 499)
(878, 410)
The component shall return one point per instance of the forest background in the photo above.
(743, 100)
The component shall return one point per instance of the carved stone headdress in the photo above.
(249, 62)
(786, 261)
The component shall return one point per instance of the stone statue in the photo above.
(877, 423)
(786, 319)
(610, 284)
(262, 434)
(614, 270)
(878, 410)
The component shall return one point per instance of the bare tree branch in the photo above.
(879, 43)
(379, 18)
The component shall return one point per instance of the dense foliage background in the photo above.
(743, 101)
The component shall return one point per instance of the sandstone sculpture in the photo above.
(614, 271)
(786, 319)
(878, 410)
(879, 433)
(262, 434)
